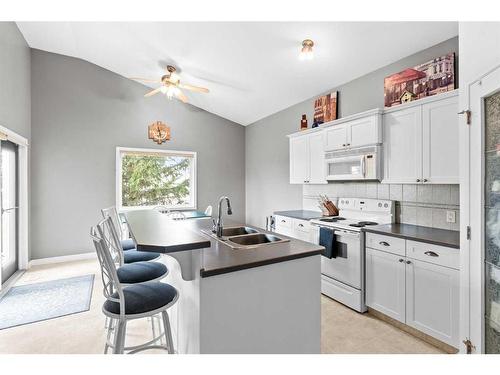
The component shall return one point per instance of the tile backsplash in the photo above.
(424, 205)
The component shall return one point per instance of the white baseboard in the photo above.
(61, 259)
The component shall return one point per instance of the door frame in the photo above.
(472, 210)
(23, 158)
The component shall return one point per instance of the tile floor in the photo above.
(343, 330)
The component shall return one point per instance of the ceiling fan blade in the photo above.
(194, 88)
(145, 79)
(151, 93)
(182, 97)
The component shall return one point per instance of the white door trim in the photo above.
(472, 207)
(23, 156)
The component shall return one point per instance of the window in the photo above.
(148, 178)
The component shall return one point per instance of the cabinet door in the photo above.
(336, 137)
(364, 132)
(317, 167)
(385, 283)
(403, 146)
(440, 141)
(299, 159)
(432, 304)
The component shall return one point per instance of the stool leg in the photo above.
(120, 333)
(168, 332)
(110, 327)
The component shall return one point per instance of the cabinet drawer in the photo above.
(441, 255)
(389, 244)
(283, 221)
(301, 225)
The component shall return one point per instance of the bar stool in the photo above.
(130, 252)
(125, 303)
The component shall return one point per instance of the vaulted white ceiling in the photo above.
(251, 69)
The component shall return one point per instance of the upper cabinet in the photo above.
(307, 158)
(354, 131)
(421, 141)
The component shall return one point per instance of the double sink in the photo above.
(245, 237)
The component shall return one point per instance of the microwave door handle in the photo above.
(363, 166)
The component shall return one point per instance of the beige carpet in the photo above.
(343, 330)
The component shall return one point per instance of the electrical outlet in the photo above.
(450, 217)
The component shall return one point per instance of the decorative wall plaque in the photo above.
(159, 132)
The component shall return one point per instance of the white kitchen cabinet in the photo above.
(402, 146)
(358, 130)
(299, 159)
(385, 283)
(421, 141)
(307, 158)
(420, 288)
(296, 228)
(432, 300)
(440, 141)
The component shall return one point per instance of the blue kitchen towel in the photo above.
(327, 239)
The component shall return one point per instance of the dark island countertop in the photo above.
(433, 236)
(300, 214)
(157, 233)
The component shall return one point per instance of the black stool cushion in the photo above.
(142, 298)
(128, 244)
(132, 256)
(140, 272)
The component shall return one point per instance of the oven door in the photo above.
(345, 168)
(346, 267)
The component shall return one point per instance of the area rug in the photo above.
(31, 303)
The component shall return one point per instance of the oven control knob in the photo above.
(380, 204)
(386, 205)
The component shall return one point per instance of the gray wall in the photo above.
(15, 86)
(267, 159)
(80, 113)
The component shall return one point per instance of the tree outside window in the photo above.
(150, 178)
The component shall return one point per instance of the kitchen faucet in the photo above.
(218, 226)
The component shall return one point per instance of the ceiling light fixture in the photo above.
(306, 53)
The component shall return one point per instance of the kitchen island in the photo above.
(252, 299)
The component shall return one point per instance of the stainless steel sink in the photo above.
(237, 231)
(255, 239)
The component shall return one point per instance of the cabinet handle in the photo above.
(418, 179)
(401, 260)
(425, 180)
(283, 221)
(431, 254)
(343, 145)
(408, 262)
(301, 225)
(383, 243)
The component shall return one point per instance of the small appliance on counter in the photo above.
(343, 264)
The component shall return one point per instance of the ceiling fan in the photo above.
(171, 85)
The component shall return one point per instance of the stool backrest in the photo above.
(109, 276)
(117, 220)
(112, 240)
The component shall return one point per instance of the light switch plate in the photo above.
(450, 217)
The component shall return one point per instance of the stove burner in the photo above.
(331, 219)
(362, 224)
(368, 223)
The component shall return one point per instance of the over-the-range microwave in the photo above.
(362, 163)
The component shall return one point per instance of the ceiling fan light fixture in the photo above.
(172, 91)
(306, 53)
(163, 89)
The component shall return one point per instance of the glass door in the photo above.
(9, 233)
(492, 224)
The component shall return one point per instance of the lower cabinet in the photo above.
(432, 300)
(385, 283)
(421, 294)
(296, 228)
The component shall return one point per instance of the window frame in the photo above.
(118, 177)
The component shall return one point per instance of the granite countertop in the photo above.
(157, 233)
(433, 236)
(300, 214)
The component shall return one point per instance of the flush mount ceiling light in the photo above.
(306, 53)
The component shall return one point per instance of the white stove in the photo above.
(343, 275)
